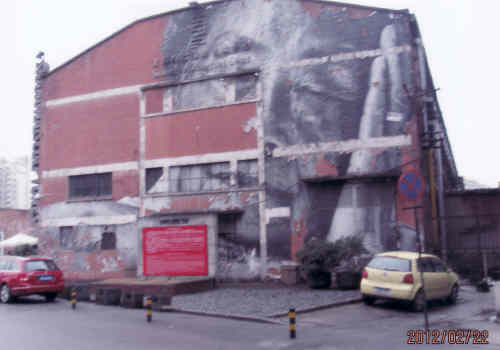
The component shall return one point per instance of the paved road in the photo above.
(34, 324)
(386, 324)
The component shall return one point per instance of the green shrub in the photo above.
(319, 257)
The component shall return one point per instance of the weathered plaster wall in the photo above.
(85, 260)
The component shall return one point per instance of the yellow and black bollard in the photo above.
(149, 309)
(291, 316)
(73, 299)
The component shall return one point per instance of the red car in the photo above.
(29, 275)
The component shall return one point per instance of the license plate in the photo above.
(45, 278)
(384, 291)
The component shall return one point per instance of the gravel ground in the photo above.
(259, 300)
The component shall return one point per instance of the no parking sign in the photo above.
(410, 186)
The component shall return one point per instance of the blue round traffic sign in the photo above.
(410, 186)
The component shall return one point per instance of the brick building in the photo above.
(13, 221)
(473, 227)
(266, 123)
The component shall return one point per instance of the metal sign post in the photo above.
(411, 187)
(419, 247)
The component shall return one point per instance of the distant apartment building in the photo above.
(15, 183)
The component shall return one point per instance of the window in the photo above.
(90, 186)
(248, 175)
(108, 241)
(425, 265)
(438, 265)
(155, 180)
(66, 237)
(390, 263)
(40, 265)
(199, 177)
(215, 92)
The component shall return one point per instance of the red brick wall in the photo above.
(89, 133)
(54, 190)
(125, 184)
(199, 132)
(14, 221)
(154, 101)
(126, 59)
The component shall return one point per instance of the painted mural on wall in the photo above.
(87, 250)
(335, 82)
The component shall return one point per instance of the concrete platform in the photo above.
(153, 286)
(127, 291)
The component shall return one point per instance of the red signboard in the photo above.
(175, 251)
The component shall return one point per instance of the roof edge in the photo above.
(119, 31)
(144, 19)
(366, 7)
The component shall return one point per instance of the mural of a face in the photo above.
(327, 77)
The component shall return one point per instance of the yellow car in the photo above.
(396, 275)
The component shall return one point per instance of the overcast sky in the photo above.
(460, 37)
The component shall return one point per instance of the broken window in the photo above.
(108, 241)
(246, 87)
(92, 185)
(209, 93)
(66, 237)
(248, 173)
(199, 177)
(156, 180)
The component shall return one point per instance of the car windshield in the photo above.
(37, 265)
(390, 263)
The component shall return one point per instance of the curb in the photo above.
(226, 316)
(321, 307)
(268, 319)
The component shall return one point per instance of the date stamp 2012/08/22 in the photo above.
(448, 336)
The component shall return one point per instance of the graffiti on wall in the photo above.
(335, 81)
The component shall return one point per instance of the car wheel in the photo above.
(452, 298)
(5, 296)
(418, 303)
(50, 296)
(368, 300)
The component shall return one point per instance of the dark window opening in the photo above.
(92, 185)
(154, 181)
(40, 265)
(248, 175)
(66, 237)
(425, 265)
(108, 241)
(246, 87)
(438, 265)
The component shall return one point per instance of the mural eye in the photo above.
(229, 44)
